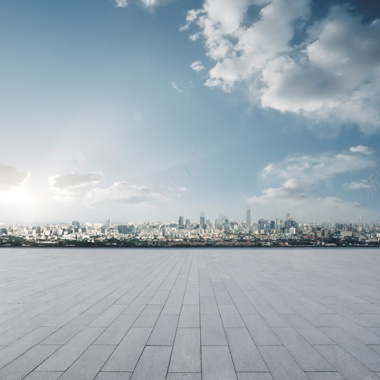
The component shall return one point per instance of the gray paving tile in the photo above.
(245, 355)
(311, 333)
(153, 363)
(113, 376)
(191, 298)
(89, 364)
(325, 376)
(254, 376)
(375, 348)
(128, 352)
(43, 376)
(63, 358)
(117, 330)
(149, 316)
(261, 333)
(23, 344)
(320, 303)
(159, 298)
(108, 316)
(186, 356)
(305, 355)
(223, 298)
(354, 329)
(208, 305)
(230, 316)
(164, 332)
(172, 308)
(24, 364)
(355, 347)
(244, 306)
(281, 365)
(217, 363)
(65, 333)
(184, 376)
(212, 332)
(189, 316)
(271, 316)
(344, 363)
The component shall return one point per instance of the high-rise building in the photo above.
(202, 220)
(262, 225)
(180, 223)
(188, 224)
(248, 218)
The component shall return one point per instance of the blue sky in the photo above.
(148, 109)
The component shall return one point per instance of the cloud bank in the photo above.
(332, 75)
(297, 183)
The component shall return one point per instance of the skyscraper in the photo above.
(180, 223)
(248, 218)
(202, 220)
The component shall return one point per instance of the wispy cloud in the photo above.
(67, 185)
(197, 66)
(121, 3)
(320, 167)
(121, 192)
(174, 85)
(332, 75)
(358, 185)
(361, 149)
(149, 4)
(297, 182)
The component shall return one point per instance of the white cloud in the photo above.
(121, 192)
(10, 178)
(358, 185)
(297, 181)
(197, 66)
(361, 149)
(121, 3)
(149, 4)
(66, 185)
(174, 85)
(320, 167)
(291, 189)
(302, 200)
(332, 75)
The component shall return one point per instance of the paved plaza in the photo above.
(197, 314)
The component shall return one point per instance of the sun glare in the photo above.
(15, 195)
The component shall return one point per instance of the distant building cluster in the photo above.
(219, 232)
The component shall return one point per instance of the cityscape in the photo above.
(221, 232)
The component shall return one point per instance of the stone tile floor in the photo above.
(176, 314)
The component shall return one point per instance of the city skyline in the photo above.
(148, 110)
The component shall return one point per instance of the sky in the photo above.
(145, 110)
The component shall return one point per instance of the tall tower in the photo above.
(180, 223)
(248, 218)
(202, 220)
